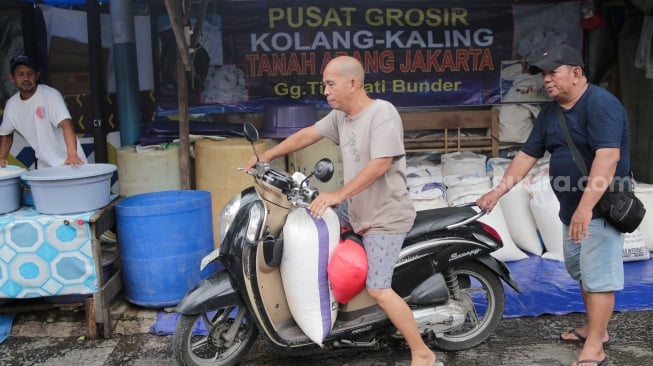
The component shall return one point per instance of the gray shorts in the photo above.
(382, 252)
(596, 261)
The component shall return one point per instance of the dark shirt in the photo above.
(598, 120)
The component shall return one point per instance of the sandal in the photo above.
(577, 337)
(574, 332)
(603, 362)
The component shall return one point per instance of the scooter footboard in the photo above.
(214, 292)
(500, 269)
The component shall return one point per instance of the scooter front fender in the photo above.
(214, 292)
(500, 269)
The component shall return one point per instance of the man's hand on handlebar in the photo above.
(488, 201)
(251, 163)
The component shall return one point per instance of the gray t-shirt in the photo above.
(377, 132)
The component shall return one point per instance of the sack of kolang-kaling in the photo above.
(308, 245)
(620, 207)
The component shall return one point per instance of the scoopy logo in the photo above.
(40, 112)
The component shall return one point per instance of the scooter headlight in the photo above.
(227, 216)
(254, 223)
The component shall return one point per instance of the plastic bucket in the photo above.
(162, 239)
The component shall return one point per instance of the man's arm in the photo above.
(71, 143)
(370, 173)
(5, 146)
(297, 141)
(518, 168)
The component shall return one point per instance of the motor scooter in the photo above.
(444, 272)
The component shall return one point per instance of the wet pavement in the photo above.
(57, 337)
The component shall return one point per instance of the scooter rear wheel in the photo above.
(204, 339)
(484, 297)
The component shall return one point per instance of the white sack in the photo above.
(515, 205)
(509, 252)
(417, 176)
(516, 121)
(463, 163)
(308, 245)
(645, 193)
(545, 208)
(634, 247)
(465, 188)
(428, 196)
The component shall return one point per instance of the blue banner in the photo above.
(416, 53)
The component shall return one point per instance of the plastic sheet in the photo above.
(547, 288)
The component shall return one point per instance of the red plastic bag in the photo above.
(347, 269)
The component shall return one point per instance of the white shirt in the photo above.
(37, 119)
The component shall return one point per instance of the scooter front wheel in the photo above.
(219, 337)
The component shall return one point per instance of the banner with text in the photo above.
(415, 53)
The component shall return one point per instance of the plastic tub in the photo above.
(10, 188)
(163, 237)
(67, 189)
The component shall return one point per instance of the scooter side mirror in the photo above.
(250, 132)
(324, 170)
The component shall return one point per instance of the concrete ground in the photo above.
(58, 338)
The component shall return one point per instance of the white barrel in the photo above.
(148, 170)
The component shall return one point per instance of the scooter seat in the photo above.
(438, 219)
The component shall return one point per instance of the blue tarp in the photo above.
(6, 320)
(547, 288)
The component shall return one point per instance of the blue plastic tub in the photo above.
(162, 237)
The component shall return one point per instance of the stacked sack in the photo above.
(424, 180)
(526, 217)
(462, 179)
(531, 209)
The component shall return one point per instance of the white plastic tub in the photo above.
(10, 188)
(67, 189)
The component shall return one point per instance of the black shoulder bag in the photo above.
(618, 205)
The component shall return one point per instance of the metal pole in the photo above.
(97, 74)
(126, 69)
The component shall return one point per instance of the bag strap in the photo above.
(574, 150)
(580, 163)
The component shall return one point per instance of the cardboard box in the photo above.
(68, 55)
(70, 82)
(68, 66)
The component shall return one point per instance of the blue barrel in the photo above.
(162, 238)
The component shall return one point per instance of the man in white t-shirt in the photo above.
(374, 199)
(39, 113)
